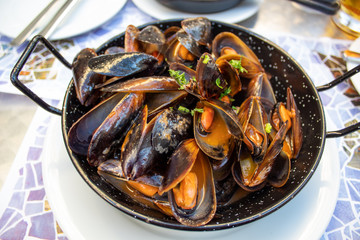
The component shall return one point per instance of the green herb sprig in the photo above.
(237, 65)
(179, 78)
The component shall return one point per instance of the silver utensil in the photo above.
(351, 56)
(50, 26)
(32, 25)
(59, 16)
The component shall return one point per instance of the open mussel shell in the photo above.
(85, 79)
(188, 42)
(253, 118)
(210, 81)
(198, 28)
(181, 162)
(280, 171)
(252, 69)
(111, 172)
(296, 135)
(205, 206)
(260, 86)
(152, 39)
(80, 134)
(230, 40)
(131, 44)
(137, 155)
(229, 73)
(112, 130)
(216, 142)
(145, 84)
(287, 73)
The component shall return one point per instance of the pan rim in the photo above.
(208, 227)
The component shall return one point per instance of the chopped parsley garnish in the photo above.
(236, 109)
(268, 127)
(179, 77)
(237, 64)
(183, 109)
(217, 81)
(226, 92)
(200, 110)
(206, 59)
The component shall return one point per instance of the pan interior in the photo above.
(285, 72)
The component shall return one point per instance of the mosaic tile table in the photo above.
(24, 210)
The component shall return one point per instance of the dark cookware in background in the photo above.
(286, 72)
(329, 7)
(200, 6)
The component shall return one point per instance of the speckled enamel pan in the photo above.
(285, 72)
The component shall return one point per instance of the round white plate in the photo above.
(236, 14)
(15, 15)
(82, 214)
(355, 46)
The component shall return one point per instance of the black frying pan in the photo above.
(287, 73)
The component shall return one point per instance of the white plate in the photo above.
(82, 214)
(236, 14)
(355, 46)
(15, 15)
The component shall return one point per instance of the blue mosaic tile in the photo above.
(33, 208)
(17, 200)
(19, 230)
(344, 212)
(354, 111)
(357, 208)
(335, 235)
(333, 225)
(345, 116)
(30, 177)
(343, 162)
(342, 190)
(355, 235)
(13, 219)
(354, 187)
(42, 226)
(38, 172)
(347, 231)
(34, 153)
(36, 195)
(19, 184)
(352, 173)
(8, 213)
(39, 141)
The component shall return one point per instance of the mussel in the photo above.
(84, 78)
(113, 129)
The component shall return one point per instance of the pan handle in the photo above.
(345, 76)
(339, 79)
(14, 77)
(344, 131)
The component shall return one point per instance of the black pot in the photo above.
(200, 6)
(287, 73)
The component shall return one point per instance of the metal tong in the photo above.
(50, 26)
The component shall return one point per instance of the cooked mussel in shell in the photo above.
(182, 121)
